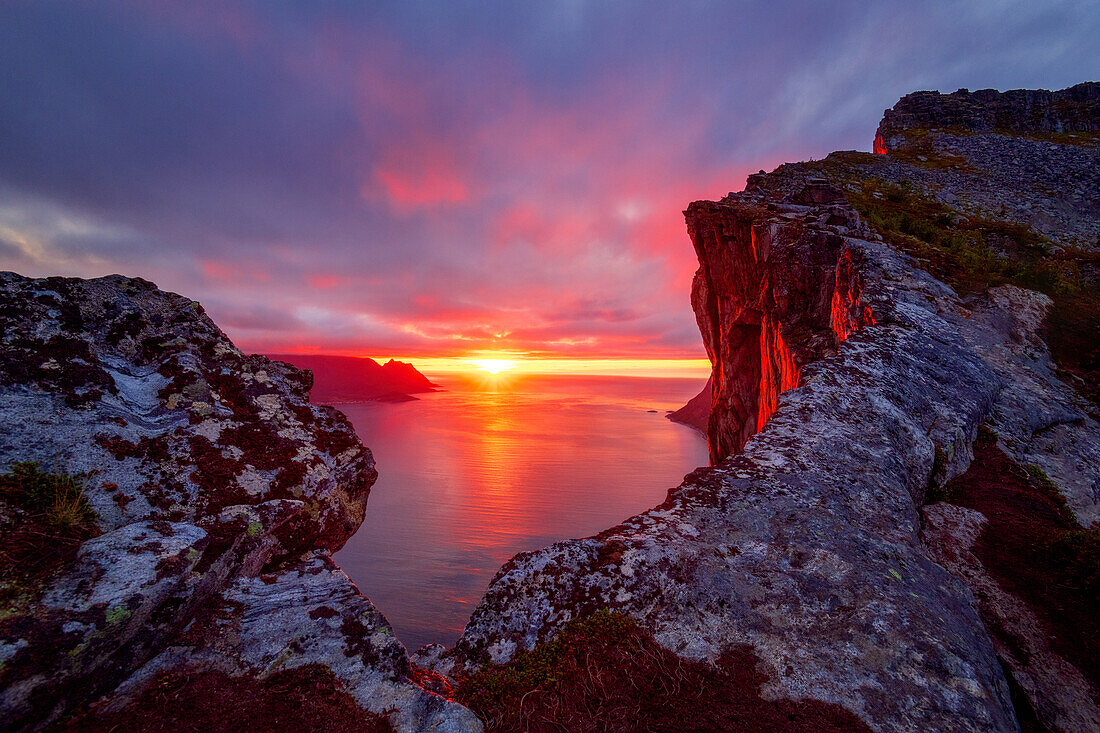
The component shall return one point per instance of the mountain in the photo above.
(355, 379)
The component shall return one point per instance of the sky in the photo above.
(433, 180)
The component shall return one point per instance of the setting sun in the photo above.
(494, 366)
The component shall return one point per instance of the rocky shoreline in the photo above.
(888, 396)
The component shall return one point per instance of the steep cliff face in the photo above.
(769, 299)
(804, 546)
(850, 383)
(219, 493)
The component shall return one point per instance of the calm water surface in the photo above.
(470, 476)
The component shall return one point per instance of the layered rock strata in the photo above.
(220, 494)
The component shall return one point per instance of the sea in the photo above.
(494, 465)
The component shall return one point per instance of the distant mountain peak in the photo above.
(357, 379)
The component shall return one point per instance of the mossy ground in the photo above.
(973, 253)
(604, 673)
(45, 518)
(1032, 544)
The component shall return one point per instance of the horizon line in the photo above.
(523, 364)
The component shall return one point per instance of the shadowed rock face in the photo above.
(696, 413)
(1019, 111)
(207, 468)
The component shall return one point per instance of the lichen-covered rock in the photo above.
(206, 467)
(306, 613)
(1040, 421)
(848, 387)
(1063, 699)
(805, 545)
(115, 377)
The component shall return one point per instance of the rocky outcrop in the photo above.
(805, 544)
(1019, 111)
(211, 475)
(849, 386)
(769, 299)
(696, 413)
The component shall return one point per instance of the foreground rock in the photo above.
(849, 387)
(207, 469)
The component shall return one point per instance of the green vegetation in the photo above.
(936, 490)
(57, 499)
(969, 253)
(46, 518)
(1041, 481)
(973, 253)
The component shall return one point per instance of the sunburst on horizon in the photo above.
(494, 366)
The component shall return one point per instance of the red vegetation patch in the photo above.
(606, 674)
(262, 446)
(231, 389)
(1073, 333)
(152, 449)
(1036, 551)
(306, 698)
(213, 471)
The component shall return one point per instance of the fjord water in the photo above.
(493, 466)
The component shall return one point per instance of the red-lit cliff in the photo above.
(769, 300)
(901, 514)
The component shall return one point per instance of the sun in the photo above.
(494, 366)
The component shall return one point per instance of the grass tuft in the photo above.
(1042, 482)
(1078, 554)
(47, 518)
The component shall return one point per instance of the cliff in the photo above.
(211, 497)
(884, 372)
(354, 379)
(898, 531)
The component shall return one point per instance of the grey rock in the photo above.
(306, 613)
(1061, 696)
(804, 545)
(208, 469)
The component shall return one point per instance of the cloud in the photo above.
(426, 178)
